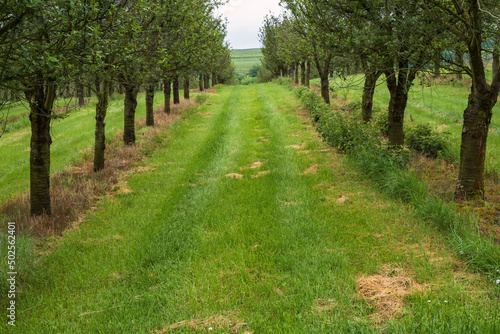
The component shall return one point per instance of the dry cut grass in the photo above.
(228, 321)
(386, 292)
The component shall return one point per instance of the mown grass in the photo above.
(244, 59)
(246, 221)
(72, 138)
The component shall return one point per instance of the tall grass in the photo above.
(385, 167)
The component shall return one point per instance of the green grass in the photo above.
(71, 138)
(441, 105)
(244, 59)
(189, 242)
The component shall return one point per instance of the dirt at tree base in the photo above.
(441, 178)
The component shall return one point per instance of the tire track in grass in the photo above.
(195, 184)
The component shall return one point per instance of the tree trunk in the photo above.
(200, 82)
(131, 91)
(296, 70)
(477, 118)
(207, 81)
(186, 88)
(399, 81)
(397, 107)
(308, 74)
(347, 69)
(80, 92)
(437, 64)
(111, 89)
(41, 103)
(368, 91)
(89, 92)
(175, 85)
(496, 57)
(214, 79)
(150, 96)
(167, 90)
(303, 73)
(325, 86)
(100, 134)
(97, 83)
(120, 89)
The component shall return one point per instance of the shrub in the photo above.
(248, 80)
(264, 75)
(423, 139)
(354, 107)
(282, 81)
(380, 121)
(254, 70)
(201, 98)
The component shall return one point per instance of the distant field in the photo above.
(244, 59)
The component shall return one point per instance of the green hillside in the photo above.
(244, 59)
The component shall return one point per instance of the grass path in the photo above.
(246, 222)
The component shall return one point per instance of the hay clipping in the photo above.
(386, 291)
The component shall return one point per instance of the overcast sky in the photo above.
(245, 17)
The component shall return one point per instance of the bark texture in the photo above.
(131, 91)
(323, 70)
(41, 99)
(200, 82)
(175, 85)
(167, 91)
(100, 126)
(396, 115)
(80, 92)
(186, 88)
(296, 72)
(303, 73)
(150, 96)
(308, 74)
(495, 66)
(368, 91)
(477, 118)
(399, 81)
(206, 81)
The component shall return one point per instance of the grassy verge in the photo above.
(384, 166)
(243, 221)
